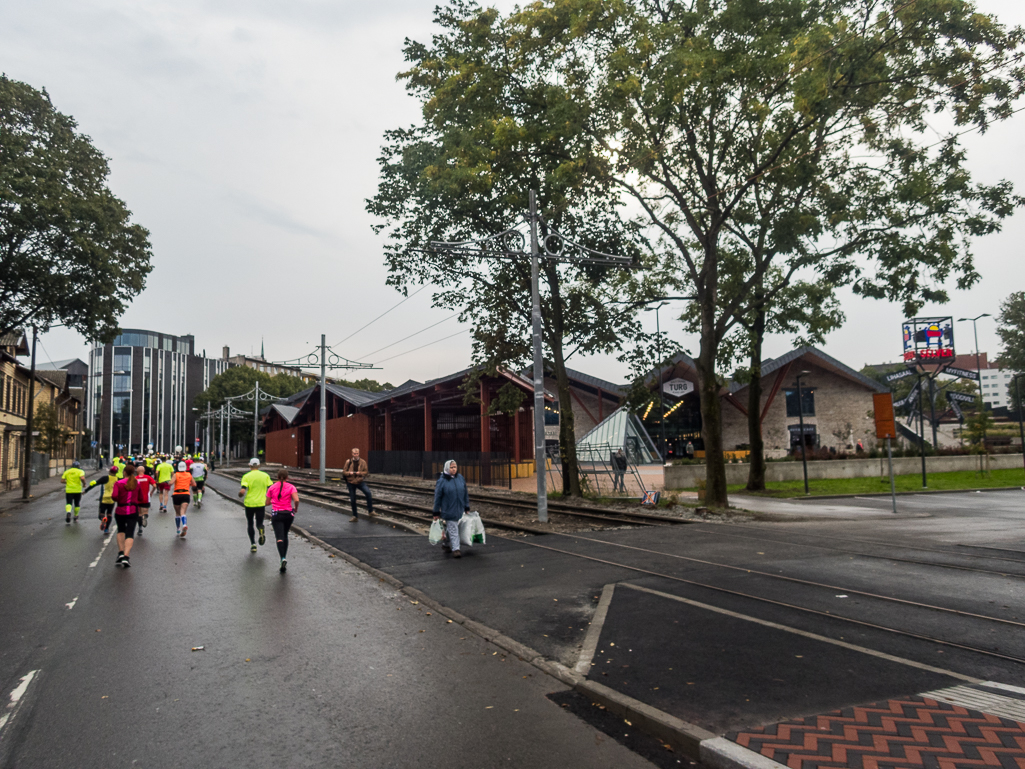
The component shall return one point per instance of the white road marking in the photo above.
(594, 631)
(73, 602)
(98, 557)
(16, 695)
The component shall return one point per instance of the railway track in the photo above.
(423, 514)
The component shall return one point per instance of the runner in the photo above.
(284, 504)
(164, 472)
(147, 488)
(198, 471)
(254, 488)
(125, 515)
(183, 483)
(106, 500)
(72, 490)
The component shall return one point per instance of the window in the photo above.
(807, 405)
(122, 359)
(122, 383)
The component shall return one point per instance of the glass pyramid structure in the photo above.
(621, 430)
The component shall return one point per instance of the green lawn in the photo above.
(937, 481)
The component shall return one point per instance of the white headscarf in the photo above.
(448, 464)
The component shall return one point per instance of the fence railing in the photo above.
(477, 467)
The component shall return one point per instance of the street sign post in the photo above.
(886, 427)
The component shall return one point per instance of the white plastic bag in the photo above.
(436, 532)
(471, 529)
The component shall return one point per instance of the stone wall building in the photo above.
(837, 405)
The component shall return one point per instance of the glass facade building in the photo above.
(141, 388)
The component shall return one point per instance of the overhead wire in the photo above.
(404, 300)
(415, 333)
(399, 355)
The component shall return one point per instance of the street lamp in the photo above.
(1021, 422)
(800, 416)
(660, 302)
(978, 364)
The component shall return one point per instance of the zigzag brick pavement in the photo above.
(910, 732)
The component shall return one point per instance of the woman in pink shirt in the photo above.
(284, 501)
(126, 514)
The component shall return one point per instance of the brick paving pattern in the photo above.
(910, 732)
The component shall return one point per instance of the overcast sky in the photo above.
(244, 135)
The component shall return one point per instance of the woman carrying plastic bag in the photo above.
(471, 530)
(451, 500)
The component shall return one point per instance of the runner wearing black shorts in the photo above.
(182, 484)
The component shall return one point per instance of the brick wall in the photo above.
(841, 417)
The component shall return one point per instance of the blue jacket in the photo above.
(451, 498)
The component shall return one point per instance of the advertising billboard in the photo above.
(928, 340)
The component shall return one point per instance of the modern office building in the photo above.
(141, 389)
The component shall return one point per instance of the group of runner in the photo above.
(132, 481)
(128, 488)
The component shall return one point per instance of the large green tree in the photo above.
(490, 134)
(799, 132)
(69, 253)
(1011, 330)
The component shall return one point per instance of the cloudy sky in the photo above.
(244, 135)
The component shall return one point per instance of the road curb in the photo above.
(689, 739)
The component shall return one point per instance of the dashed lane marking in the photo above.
(95, 563)
(71, 604)
(15, 701)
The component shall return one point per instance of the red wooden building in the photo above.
(429, 416)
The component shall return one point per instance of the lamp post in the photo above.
(978, 364)
(1021, 422)
(800, 416)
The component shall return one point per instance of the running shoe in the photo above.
(120, 560)
(67, 518)
(125, 563)
(76, 517)
(106, 532)
(263, 537)
(104, 524)
(145, 520)
(252, 549)
(284, 564)
(184, 529)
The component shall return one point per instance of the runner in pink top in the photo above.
(284, 502)
(126, 515)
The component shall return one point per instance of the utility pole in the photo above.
(220, 437)
(27, 480)
(256, 417)
(555, 247)
(328, 359)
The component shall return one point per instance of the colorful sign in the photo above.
(928, 340)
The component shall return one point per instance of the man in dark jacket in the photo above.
(355, 473)
(451, 500)
(619, 471)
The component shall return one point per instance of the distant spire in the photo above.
(261, 349)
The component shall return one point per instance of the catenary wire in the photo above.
(399, 355)
(406, 299)
(415, 333)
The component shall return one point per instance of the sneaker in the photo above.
(184, 529)
(145, 520)
(76, 517)
(353, 519)
(120, 559)
(106, 532)
(104, 523)
(457, 554)
(263, 537)
(67, 518)
(163, 509)
(125, 563)
(252, 549)
(371, 513)
(284, 564)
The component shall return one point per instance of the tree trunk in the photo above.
(567, 432)
(756, 473)
(711, 408)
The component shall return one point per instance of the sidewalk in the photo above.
(10, 500)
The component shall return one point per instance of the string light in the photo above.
(648, 410)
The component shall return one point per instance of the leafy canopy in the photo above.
(68, 252)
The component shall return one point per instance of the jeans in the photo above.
(618, 484)
(362, 486)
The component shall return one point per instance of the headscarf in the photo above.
(448, 464)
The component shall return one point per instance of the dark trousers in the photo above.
(254, 515)
(282, 523)
(618, 484)
(362, 486)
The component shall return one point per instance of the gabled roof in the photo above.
(580, 377)
(58, 364)
(58, 377)
(288, 413)
(351, 394)
(822, 360)
(15, 339)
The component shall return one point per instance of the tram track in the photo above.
(423, 515)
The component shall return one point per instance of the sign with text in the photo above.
(911, 397)
(928, 340)
(963, 373)
(957, 410)
(960, 397)
(677, 388)
(900, 375)
(886, 425)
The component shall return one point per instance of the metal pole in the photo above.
(220, 437)
(1021, 422)
(978, 370)
(889, 457)
(227, 457)
(27, 480)
(932, 411)
(661, 395)
(921, 428)
(256, 415)
(540, 457)
(804, 450)
(323, 408)
(209, 423)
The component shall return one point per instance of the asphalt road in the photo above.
(322, 666)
